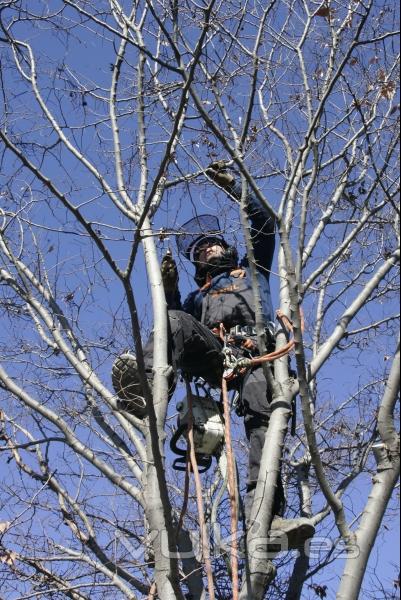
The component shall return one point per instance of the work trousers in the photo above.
(196, 351)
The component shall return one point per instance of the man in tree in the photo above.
(224, 296)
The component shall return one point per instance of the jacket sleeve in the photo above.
(262, 230)
(173, 300)
(189, 304)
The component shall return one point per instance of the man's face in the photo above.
(207, 251)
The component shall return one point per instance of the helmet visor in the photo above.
(196, 230)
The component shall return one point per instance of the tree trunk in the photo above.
(388, 471)
(261, 569)
(355, 566)
(158, 509)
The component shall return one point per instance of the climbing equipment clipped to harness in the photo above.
(235, 365)
(204, 412)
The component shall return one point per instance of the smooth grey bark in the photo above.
(158, 507)
(313, 448)
(383, 486)
(260, 570)
(388, 471)
(191, 567)
(385, 419)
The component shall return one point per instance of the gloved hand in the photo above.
(169, 272)
(218, 172)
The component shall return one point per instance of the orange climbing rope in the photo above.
(271, 356)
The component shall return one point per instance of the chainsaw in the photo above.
(208, 428)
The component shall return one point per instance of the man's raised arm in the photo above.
(261, 220)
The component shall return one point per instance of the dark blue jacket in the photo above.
(228, 298)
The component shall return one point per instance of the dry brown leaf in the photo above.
(388, 90)
(381, 75)
(324, 11)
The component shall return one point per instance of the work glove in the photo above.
(169, 272)
(218, 172)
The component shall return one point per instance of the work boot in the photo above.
(295, 531)
(126, 384)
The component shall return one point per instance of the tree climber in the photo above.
(224, 296)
